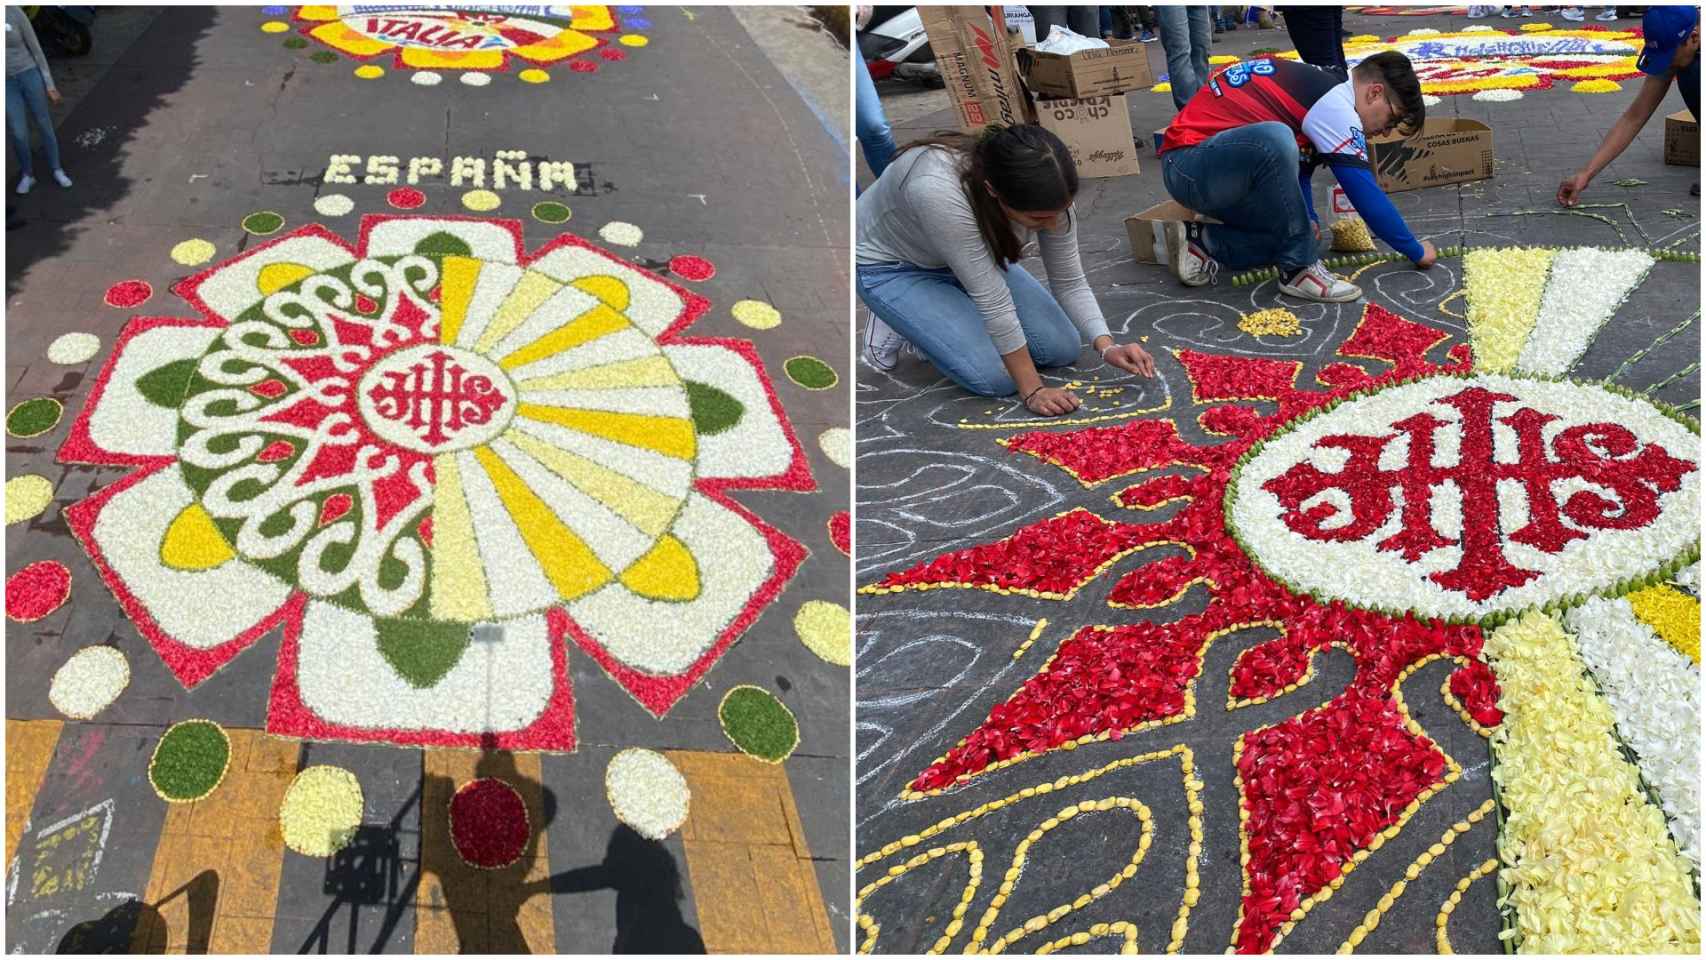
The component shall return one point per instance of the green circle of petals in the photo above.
(296, 43)
(190, 760)
(549, 211)
(263, 223)
(758, 723)
(34, 417)
(323, 56)
(811, 373)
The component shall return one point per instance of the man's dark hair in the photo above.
(1403, 90)
(1030, 168)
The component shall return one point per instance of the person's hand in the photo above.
(1571, 189)
(1052, 401)
(1429, 255)
(1131, 358)
(1317, 225)
(53, 95)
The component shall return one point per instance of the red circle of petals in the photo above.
(583, 66)
(37, 590)
(692, 268)
(488, 823)
(405, 198)
(612, 54)
(129, 293)
(841, 532)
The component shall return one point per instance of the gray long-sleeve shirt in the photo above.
(919, 213)
(22, 50)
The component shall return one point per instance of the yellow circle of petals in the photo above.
(827, 630)
(634, 40)
(321, 811)
(193, 252)
(756, 314)
(481, 200)
(1597, 86)
(274, 26)
(26, 497)
(534, 76)
(368, 71)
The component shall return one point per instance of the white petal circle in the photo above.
(475, 78)
(73, 348)
(333, 205)
(621, 234)
(426, 78)
(89, 682)
(837, 445)
(647, 792)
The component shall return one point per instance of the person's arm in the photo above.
(1305, 182)
(1377, 211)
(1066, 280)
(1618, 138)
(21, 24)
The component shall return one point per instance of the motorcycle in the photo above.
(894, 44)
(64, 29)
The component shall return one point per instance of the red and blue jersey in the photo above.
(1319, 108)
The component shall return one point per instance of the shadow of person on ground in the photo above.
(484, 905)
(647, 882)
(137, 927)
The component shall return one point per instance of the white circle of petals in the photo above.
(1360, 574)
(1498, 95)
(647, 792)
(837, 445)
(333, 205)
(426, 78)
(70, 349)
(474, 78)
(621, 234)
(89, 682)
(321, 811)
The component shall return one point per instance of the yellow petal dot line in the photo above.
(974, 877)
(1442, 939)
(567, 561)
(1036, 632)
(1412, 872)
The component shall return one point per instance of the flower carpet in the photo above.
(1290, 617)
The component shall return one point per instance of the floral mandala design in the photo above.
(473, 38)
(435, 458)
(1489, 59)
(1329, 468)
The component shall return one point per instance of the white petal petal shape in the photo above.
(757, 445)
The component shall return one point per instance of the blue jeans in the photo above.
(931, 309)
(869, 124)
(1246, 178)
(1186, 33)
(26, 90)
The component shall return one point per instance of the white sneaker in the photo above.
(60, 178)
(1528, 11)
(1507, 13)
(1187, 259)
(1573, 14)
(26, 183)
(882, 345)
(1315, 282)
(1608, 14)
(1479, 13)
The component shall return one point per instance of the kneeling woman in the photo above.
(940, 235)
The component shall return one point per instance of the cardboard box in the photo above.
(1098, 132)
(976, 64)
(1682, 139)
(1019, 18)
(1123, 66)
(1448, 150)
(1148, 244)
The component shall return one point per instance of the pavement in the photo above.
(694, 133)
(933, 479)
